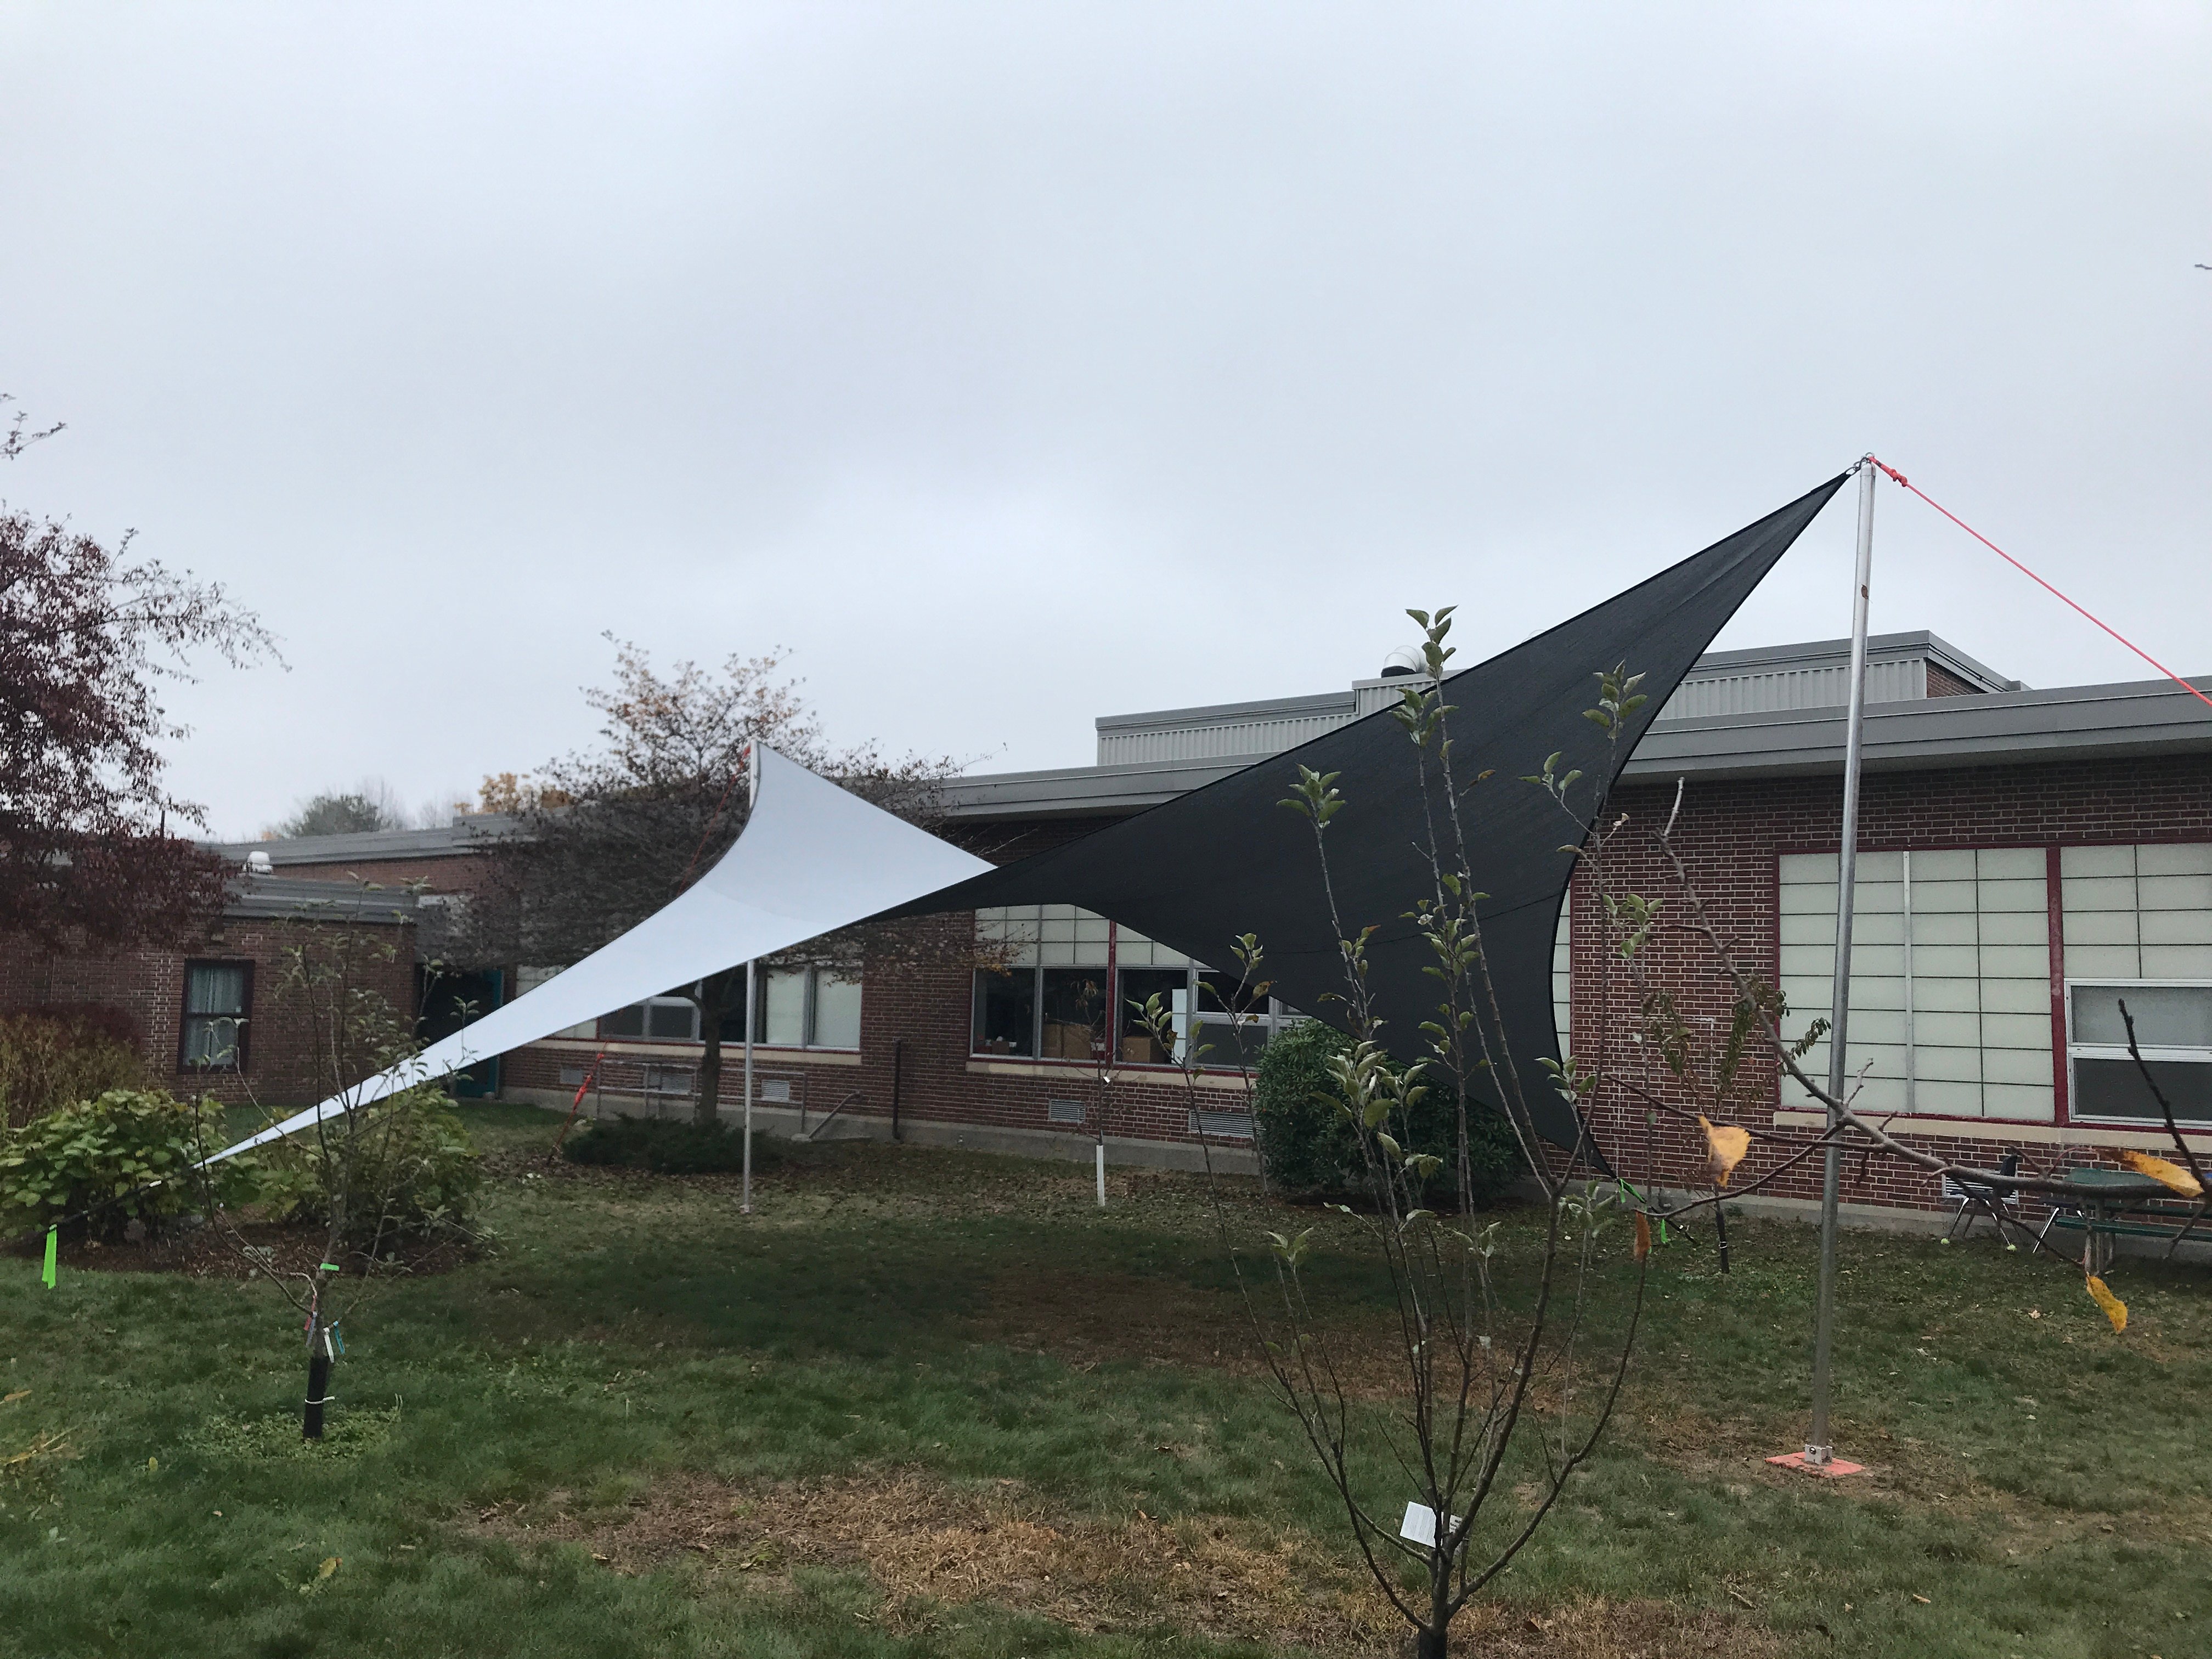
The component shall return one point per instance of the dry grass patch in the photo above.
(928, 1545)
(930, 1548)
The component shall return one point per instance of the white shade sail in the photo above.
(812, 857)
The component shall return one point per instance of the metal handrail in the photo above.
(809, 1134)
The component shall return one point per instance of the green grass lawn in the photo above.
(929, 1402)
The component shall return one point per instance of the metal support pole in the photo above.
(1819, 1446)
(752, 1012)
(752, 1001)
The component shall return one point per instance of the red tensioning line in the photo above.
(1904, 482)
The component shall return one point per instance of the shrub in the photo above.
(666, 1146)
(55, 1057)
(1307, 1145)
(405, 1165)
(127, 1152)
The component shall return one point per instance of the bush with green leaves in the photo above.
(1307, 1144)
(125, 1156)
(51, 1058)
(406, 1165)
(666, 1146)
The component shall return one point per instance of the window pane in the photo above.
(215, 988)
(1074, 1007)
(783, 1016)
(2113, 1088)
(836, 1011)
(2166, 1016)
(1226, 1044)
(1005, 1012)
(671, 1022)
(1217, 990)
(624, 1021)
(212, 1042)
(1137, 1046)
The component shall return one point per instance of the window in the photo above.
(1950, 978)
(2138, 929)
(528, 979)
(1072, 1002)
(1051, 1000)
(212, 1035)
(783, 1007)
(2173, 1028)
(1005, 1012)
(669, 1017)
(1563, 966)
(836, 1009)
(799, 1008)
(1138, 985)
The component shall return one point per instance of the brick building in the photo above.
(2027, 857)
(213, 1019)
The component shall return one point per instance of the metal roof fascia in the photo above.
(1313, 702)
(2083, 722)
(369, 846)
(277, 898)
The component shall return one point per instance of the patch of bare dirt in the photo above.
(928, 1545)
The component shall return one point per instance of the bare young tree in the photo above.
(367, 1178)
(603, 839)
(1497, 1349)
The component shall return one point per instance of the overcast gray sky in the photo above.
(1018, 364)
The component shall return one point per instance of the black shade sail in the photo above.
(1198, 872)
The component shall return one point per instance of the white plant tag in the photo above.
(1420, 1526)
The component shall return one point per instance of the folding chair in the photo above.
(1976, 1196)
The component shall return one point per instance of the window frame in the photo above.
(1276, 1018)
(240, 1048)
(2118, 1051)
(753, 1016)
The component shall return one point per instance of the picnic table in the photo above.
(2109, 1204)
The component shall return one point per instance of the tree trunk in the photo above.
(718, 996)
(1428, 1644)
(318, 1388)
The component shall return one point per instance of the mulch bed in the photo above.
(237, 1252)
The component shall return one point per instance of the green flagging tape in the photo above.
(330, 1267)
(54, 1256)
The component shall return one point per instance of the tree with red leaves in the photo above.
(88, 856)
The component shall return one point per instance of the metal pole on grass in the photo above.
(745, 1204)
(752, 1003)
(1819, 1446)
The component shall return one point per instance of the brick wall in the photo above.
(1732, 834)
(917, 998)
(150, 986)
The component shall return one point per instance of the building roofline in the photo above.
(298, 899)
(462, 835)
(1917, 643)
(1318, 702)
(2003, 728)
(2000, 728)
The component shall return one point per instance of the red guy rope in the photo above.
(1905, 484)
